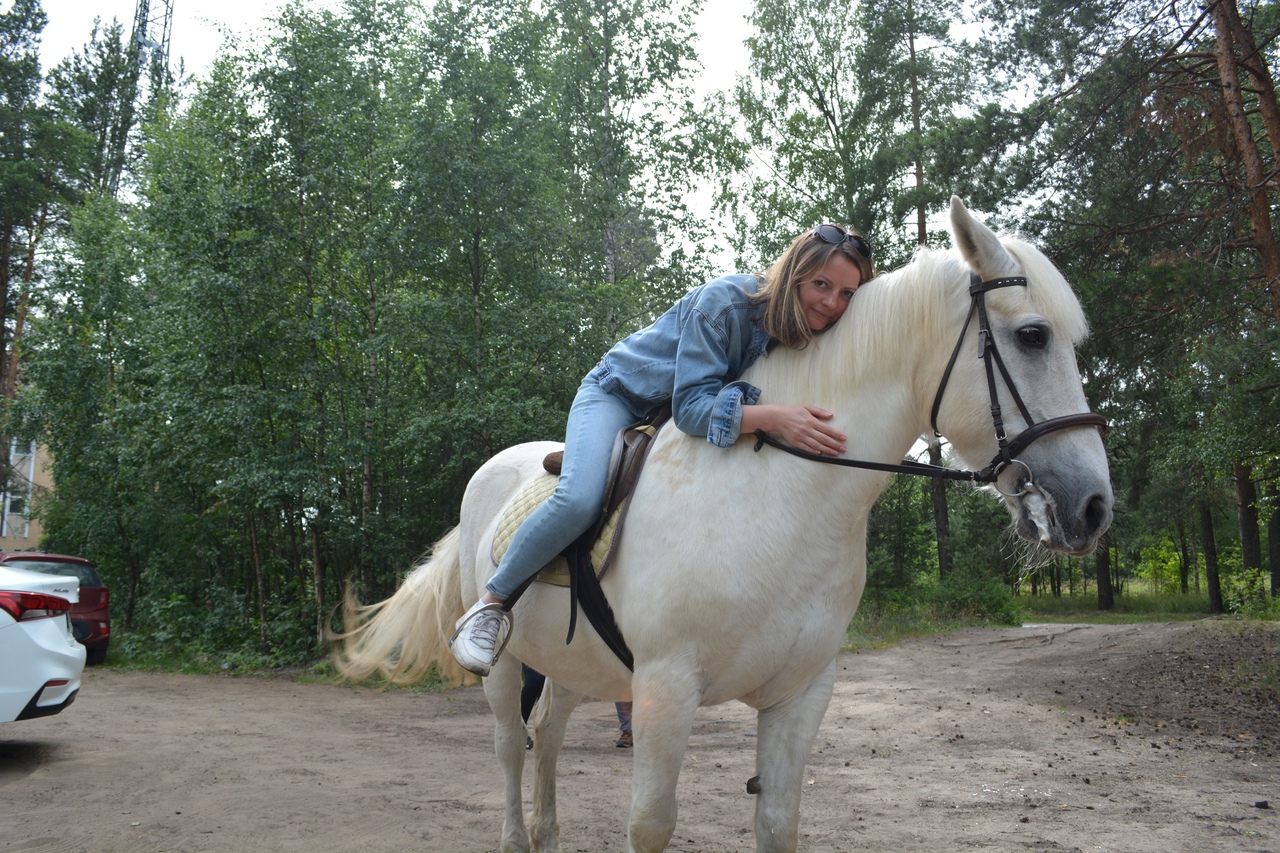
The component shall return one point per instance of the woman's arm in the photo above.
(803, 427)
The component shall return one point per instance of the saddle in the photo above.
(583, 563)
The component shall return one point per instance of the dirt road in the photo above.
(1114, 738)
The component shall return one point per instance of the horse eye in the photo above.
(1033, 336)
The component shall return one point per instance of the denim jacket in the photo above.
(693, 355)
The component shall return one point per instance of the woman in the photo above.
(692, 356)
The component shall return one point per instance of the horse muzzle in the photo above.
(1069, 520)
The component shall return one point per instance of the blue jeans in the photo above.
(594, 422)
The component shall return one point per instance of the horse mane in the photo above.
(922, 300)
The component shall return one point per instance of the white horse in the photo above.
(739, 572)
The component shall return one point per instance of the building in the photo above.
(31, 474)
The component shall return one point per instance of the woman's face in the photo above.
(825, 297)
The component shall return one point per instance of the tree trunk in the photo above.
(1247, 509)
(1102, 573)
(941, 518)
(1210, 557)
(1273, 537)
(1195, 565)
(1255, 65)
(1184, 570)
(9, 389)
(317, 578)
(259, 581)
(1225, 12)
(922, 233)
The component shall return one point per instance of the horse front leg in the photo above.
(664, 705)
(785, 739)
(549, 719)
(502, 690)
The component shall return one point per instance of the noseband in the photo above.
(990, 355)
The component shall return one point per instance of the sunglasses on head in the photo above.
(836, 235)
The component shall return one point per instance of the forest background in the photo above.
(268, 321)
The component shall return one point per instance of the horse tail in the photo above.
(401, 638)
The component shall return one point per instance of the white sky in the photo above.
(198, 26)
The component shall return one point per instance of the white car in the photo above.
(40, 660)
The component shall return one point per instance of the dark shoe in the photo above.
(625, 742)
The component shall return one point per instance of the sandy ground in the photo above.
(1043, 738)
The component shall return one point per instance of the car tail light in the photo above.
(32, 605)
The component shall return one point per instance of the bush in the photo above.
(930, 607)
(980, 598)
(1246, 594)
(220, 632)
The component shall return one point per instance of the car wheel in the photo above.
(96, 656)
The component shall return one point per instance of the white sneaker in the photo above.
(481, 636)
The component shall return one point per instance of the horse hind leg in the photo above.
(502, 690)
(785, 739)
(549, 719)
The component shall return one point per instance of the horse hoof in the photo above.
(753, 785)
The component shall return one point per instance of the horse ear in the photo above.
(978, 244)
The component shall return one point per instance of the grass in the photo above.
(1129, 608)
(874, 628)
(126, 657)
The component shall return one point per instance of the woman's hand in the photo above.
(802, 427)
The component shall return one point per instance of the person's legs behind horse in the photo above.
(594, 422)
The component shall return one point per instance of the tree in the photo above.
(845, 109)
(1210, 557)
(93, 89)
(39, 160)
(83, 405)
(367, 253)
(1148, 130)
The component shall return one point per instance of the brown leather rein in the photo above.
(990, 355)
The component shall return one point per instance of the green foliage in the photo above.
(900, 543)
(1245, 593)
(1134, 605)
(367, 253)
(1160, 564)
(932, 607)
(219, 631)
(842, 103)
(986, 599)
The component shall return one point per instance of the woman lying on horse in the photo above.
(692, 358)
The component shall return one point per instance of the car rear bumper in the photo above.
(92, 630)
(42, 668)
(49, 700)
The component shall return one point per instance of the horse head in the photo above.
(1023, 411)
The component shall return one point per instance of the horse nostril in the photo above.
(1097, 514)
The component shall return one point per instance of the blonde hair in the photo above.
(779, 291)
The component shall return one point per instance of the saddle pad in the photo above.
(522, 505)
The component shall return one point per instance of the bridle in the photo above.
(1008, 448)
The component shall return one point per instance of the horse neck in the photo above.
(877, 368)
